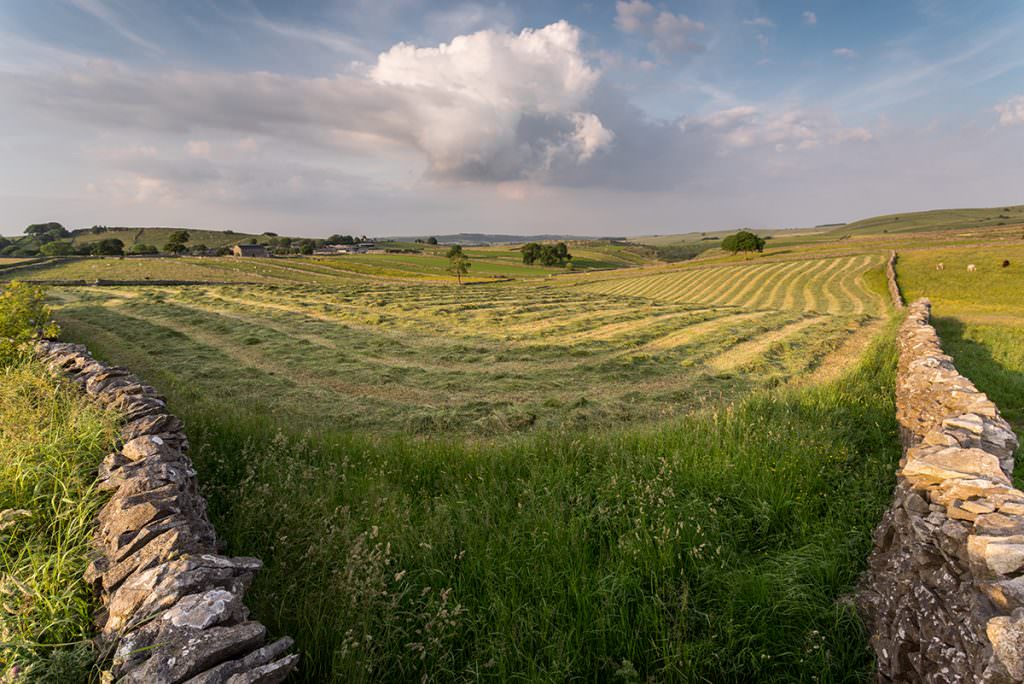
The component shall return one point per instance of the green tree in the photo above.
(531, 252)
(458, 262)
(199, 249)
(743, 241)
(143, 249)
(562, 252)
(108, 247)
(176, 242)
(24, 316)
(57, 248)
(431, 240)
(47, 232)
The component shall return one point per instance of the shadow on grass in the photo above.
(976, 358)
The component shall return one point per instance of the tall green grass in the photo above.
(718, 547)
(51, 440)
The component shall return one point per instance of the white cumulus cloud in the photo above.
(495, 103)
(1011, 112)
(810, 18)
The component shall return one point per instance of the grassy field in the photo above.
(487, 264)
(52, 439)
(482, 360)
(939, 219)
(537, 480)
(979, 315)
(714, 547)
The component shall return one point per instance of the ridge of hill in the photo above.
(935, 219)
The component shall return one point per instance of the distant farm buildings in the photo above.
(357, 248)
(249, 251)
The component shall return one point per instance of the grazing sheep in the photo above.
(1006, 263)
(940, 266)
(971, 268)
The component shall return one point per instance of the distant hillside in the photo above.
(937, 219)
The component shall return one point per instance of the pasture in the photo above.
(979, 315)
(487, 264)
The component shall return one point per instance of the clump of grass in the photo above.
(716, 547)
(52, 439)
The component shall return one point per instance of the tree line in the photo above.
(53, 240)
(546, 254)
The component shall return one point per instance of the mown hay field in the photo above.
(463, 483)
(535, 480)
(829, 286)
(481, 360)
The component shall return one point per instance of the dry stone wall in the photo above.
(172, 607)
(894, 287)
(943, 596)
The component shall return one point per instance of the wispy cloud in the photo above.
(669, 33)
(759, 21)
(810, 18)
(846, 53)
(337, 42)
(631, 15)
(99, 10)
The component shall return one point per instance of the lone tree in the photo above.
(458, 262)
(743, 241)
(431, 240)
(176, 242)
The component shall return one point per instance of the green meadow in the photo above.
(979, 314)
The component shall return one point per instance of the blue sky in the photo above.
(411, 117)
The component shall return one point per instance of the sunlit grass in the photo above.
(52, 440)
(716, 547)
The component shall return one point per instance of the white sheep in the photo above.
(971, 268)
(940, 266)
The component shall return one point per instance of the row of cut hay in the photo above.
(824, 285)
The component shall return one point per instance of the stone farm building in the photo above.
(249, 251)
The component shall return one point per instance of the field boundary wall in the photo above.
(172, 607)
(894, 286)
(943, 596)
